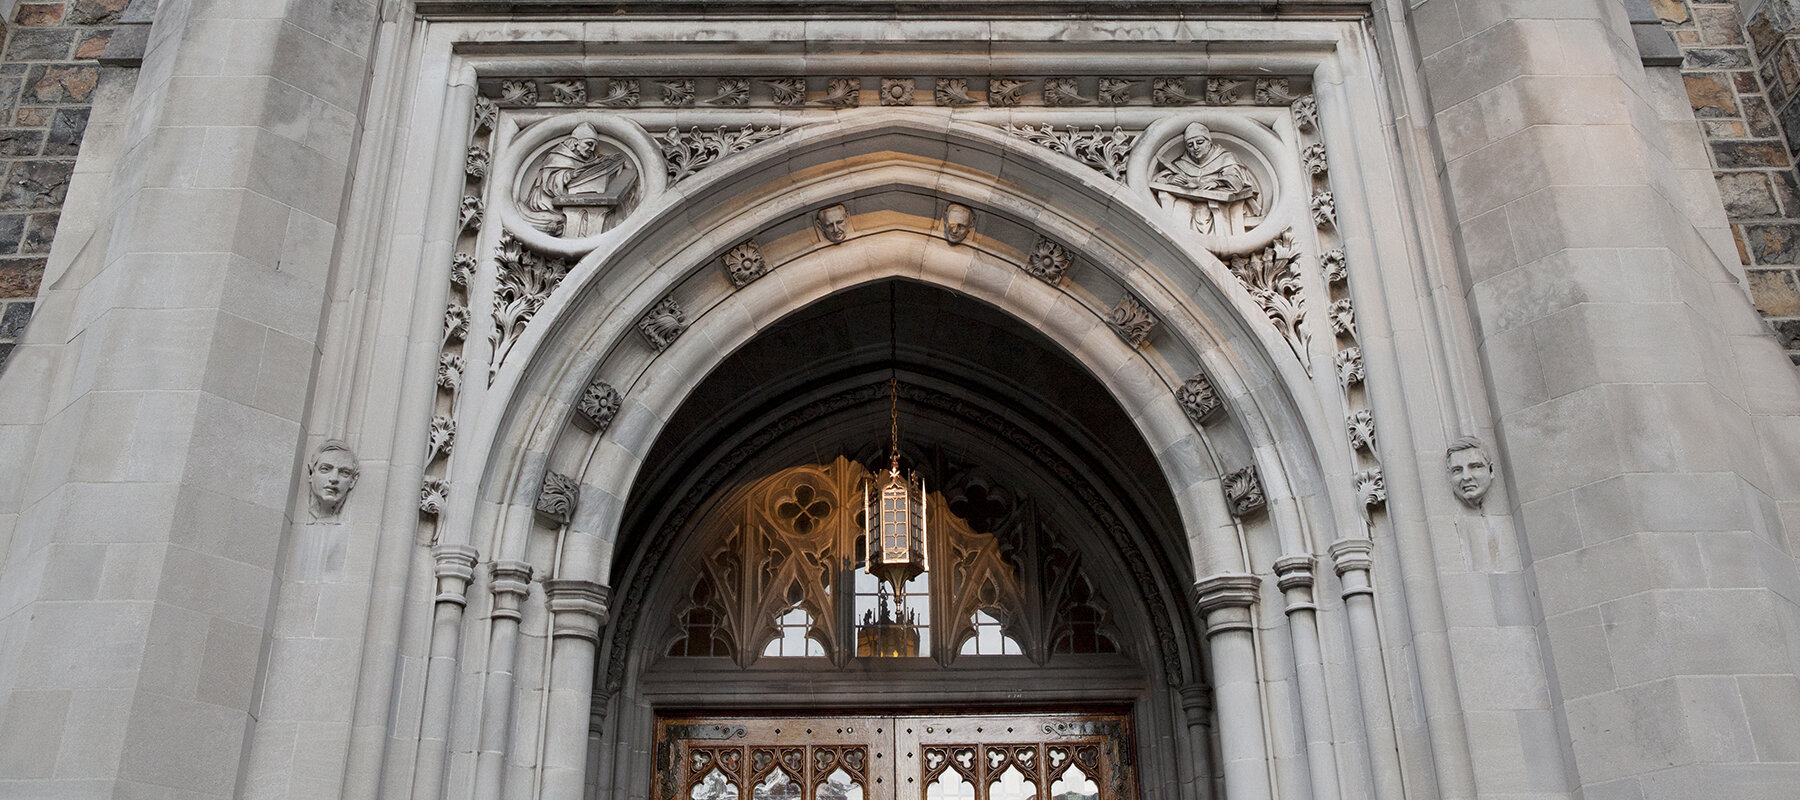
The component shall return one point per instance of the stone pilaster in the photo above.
(1642, 414)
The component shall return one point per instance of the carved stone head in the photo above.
(833, 223)
(330, 475)
(1471, 471)
(1199, 140)
(959, 222)
(583, 141)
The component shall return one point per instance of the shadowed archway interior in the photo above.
(1007, 431)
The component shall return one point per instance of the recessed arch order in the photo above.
(895, 173)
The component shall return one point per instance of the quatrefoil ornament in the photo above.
(804, 509)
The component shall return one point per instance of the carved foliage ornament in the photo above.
(450, 372)
(1336, 266)
(456, 323)
(1306, 113)
(1171, 91)
(1048, 261)
(896, 91)
(1131, 320)
(1343, 318)
(526, 279)
(1199, 399)
(1324, 210)
(952, 92)
(1244, 492)
(1371, 489)
(842, 93)
(571, 92)
(1361, 427)
(1272, 276)
(620, 93)
(664, 322)
(1350, 366)
(599, 405)
(1108, 152)
(557, 498)
(1313, 159)
(745, 263)
(434, 494)
(687, 152)
(440, 439)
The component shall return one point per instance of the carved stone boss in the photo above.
(557, 498)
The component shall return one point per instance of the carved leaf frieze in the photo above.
(687, 152)
(1108, 152)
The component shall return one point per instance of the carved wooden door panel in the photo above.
(917, 757)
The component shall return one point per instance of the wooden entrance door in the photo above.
(899, 757)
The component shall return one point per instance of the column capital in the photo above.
(1295, 571)
(1225, 591)
(1349, 554)
(578, 607)
(510, 581)
(455, 567)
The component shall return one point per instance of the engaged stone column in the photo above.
(455, 568)
(1225, 602)
(510, 582)
(578, 610)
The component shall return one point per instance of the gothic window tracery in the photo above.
(784, 576)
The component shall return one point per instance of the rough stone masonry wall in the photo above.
(47, 77)
(1744, 84)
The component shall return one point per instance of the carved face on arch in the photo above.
(1471, 473)
(833, 223)
(959, 222)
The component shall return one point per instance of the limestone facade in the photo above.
(1397, 356)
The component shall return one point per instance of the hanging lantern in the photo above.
(896, 522)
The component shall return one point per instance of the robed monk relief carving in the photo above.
(581, 186)
(1205, 185)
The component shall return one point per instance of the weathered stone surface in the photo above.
(1747, 194)
(1711, 95)
(19, 276)
(1774, 291)
(1749, 154)
(1773, 243)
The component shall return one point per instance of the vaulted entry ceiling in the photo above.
(993, 416)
